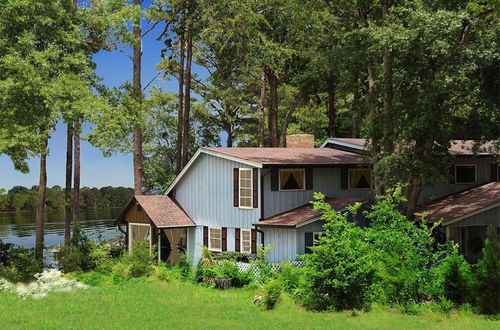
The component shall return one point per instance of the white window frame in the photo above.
(130, 224)
(251, 188)
(210, 241)
(250, 241)
(292, 169)
(357, 169)
(475, 173)
(319, 233)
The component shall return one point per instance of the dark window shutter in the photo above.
(224, 239)
(274, 179)
(494, 172)
(452, 175)
(308, 242)
(205, 236)
(309, 178)
(344, 178)
(237, 237)
(236, 187)
(254, 241)
(255, 188)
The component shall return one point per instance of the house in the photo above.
(232, 199)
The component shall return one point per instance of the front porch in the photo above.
(160, 221)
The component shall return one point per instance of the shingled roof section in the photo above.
(163, 211)
(292, 156)
(459, 205)
(458, 147)
(303, 214)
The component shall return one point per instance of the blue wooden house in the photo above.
(232, 199)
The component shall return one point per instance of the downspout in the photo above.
(261, 207)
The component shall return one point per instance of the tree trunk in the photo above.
(332, 115)
(67, 191)
(180, 109)
(40, 210)
(137, 134)
(372, 109)
(388, 137)
(230, 136)
(273, 107)
(187, 100)
(413, 194)
(262, 100)
(76, 183)
(356, 109)
(288, 117)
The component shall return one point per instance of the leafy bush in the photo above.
(140, 260)
(487, 277)
(290, 276)
(184, 266)
(456, 277)
(262, 262)
(404, 253)
(231, 255)
(341, 269)
(161, 273)
(270, 294)
(18, 264)
(226, 269)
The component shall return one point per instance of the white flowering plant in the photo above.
(47, 281)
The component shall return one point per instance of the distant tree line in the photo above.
(20, 198)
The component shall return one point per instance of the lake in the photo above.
(19, 228)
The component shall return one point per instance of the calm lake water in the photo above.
(19, 228)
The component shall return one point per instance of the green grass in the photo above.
(159, 305)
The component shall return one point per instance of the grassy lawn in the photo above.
(159, 305)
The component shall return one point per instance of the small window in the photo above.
(245, 193)
(360, 178)
(316, 236)
(215, 239)
(139, 232)
(292, 179)
(465, 174)
(246, 241)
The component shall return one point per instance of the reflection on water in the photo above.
(20, 228)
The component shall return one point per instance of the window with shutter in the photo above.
(246, 241)
(215, 239)
(360, 178)
(465, 174)
(246, 188)
(291, 179)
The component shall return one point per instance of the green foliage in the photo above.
(161, 273)
(270, 294)
(487, 277)
(140, 260)
(291, 276)
(83, 254)
(18, 264)
(456, 274)
(403, 252)
(341, 270)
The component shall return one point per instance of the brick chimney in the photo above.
(300, 141)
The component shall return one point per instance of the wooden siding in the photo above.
(283, 241)
(135, 215)
(488, 217)
(325, 180)
(301, 232)
(483, 175)
(206, 195)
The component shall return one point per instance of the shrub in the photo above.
(140, 260)
(161, 273)
(456, 277)
(270, 294)
(341, 269)
(487, 277)
(184, 266)
(231, 255)
(404, 253)
(18, 264)
(226, 269)
(290, 276)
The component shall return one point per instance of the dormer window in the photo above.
(465, 174)
(360, 178)
(292, 179)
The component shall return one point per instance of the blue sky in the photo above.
(96, 171)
